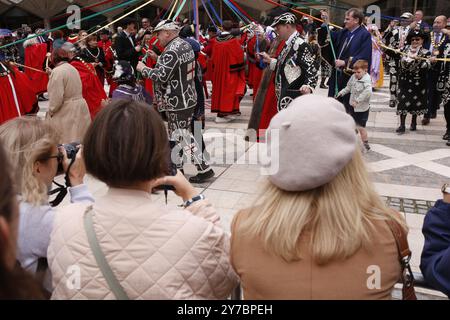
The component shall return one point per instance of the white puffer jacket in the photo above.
(154, 252)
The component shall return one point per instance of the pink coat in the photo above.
(154, 252)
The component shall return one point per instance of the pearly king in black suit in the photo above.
(295, 66)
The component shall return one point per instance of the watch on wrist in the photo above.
(446, 188)
(194, 199)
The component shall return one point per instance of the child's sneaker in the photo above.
(366, 145)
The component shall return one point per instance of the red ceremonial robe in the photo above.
(93, 91)
(270, 102)
(148, 83)
(251, 57)
(228, 76)
(35, 57)
(209, 49)
(21, 89)
(109, 66)
(104, 45)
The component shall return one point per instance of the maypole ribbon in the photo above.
(180, 8)
(242, 11)
(300, 12)
(167, 10)
(173, 9)
(103, 2)
(215, 12)
(163, 11)
(389, 18)
(209, 15)
(118, 19)
(235, 11)
(339, 27)
(65, 25)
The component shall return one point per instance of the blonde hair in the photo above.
(338, 215)
(27, 140)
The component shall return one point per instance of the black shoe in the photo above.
(446, 136)
(202, 177)
(322, 86)
(433, 116)
(366, 145)
(401, 130)
(448, 143)
(425, 121)
(413, 127)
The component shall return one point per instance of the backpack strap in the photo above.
(102, 263)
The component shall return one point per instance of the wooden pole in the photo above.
(221, 10)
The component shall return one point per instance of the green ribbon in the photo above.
(179, 10)
(80, 20)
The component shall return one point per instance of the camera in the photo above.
(71, 151)
(171, 168)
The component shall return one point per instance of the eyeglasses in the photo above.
(58, 157)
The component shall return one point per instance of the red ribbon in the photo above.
(240, 9)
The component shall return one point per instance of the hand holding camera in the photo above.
(182, 187)
(73, 163)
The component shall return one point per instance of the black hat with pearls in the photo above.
(285, 18)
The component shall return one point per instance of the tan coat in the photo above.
(68, 111)
(155, 252)
(265, 276)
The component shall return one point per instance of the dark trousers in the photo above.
(447, 115)
(179, 125)
(434, 97)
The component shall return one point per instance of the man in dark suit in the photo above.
(437, 74)
(126, 46)
(350, 44)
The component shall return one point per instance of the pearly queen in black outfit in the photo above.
(412, 83)
(295, 66)
(412, 90)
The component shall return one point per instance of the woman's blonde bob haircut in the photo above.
(27, 140)
(338, 215)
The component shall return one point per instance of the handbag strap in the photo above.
(404, 254)
(102, 263)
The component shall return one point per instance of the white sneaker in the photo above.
(225, 119)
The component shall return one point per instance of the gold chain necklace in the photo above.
(435, 45)
(88, 66)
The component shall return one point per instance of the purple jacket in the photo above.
(137, 93)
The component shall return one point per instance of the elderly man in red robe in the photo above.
(93, 90)
(36, 57)
(228, 75)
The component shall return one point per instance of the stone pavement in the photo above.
(407, 170)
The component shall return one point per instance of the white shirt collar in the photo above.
(288, 42)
